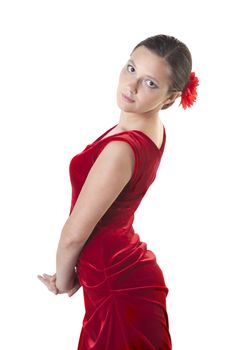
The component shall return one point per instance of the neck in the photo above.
(129, 121)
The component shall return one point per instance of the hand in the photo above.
(75, 287)
(50, 282)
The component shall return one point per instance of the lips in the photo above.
(127, 98)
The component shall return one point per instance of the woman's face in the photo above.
(145, 79)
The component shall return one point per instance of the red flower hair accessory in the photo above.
(189, 94)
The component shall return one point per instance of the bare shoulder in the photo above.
(116, 157)
(117, 151)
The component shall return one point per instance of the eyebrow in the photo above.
(149, 76)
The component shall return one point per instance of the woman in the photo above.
(123, 285)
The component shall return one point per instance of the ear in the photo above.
(172, 97)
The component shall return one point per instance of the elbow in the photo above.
(72, 235)
(71, 240)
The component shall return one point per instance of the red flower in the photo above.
(189, 94)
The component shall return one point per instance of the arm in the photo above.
(107, 177)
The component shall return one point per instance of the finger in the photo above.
(50, 286)
(50, 277)
(73, 291)
(70, 294)
(55, 291)
(47, 276)
(43, 280)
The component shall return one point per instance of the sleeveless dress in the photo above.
(123, 286)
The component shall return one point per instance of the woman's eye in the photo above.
(129, 65)
(151, 86)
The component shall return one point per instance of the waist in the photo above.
(132, 266)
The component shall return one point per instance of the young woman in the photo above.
(123, 286)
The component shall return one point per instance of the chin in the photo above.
(124, 106)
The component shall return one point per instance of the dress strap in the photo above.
(106, 132)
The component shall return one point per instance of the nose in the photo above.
(131, 90)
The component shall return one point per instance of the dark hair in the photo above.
(176, 54)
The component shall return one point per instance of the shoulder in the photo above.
(118, 154)
(117, 148)
(124, 151)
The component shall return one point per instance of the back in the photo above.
(118, 219)
(123, 286)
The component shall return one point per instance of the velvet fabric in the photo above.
(123, 286)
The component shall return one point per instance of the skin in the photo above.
(113, 167)
(50, 282)
(149, 94)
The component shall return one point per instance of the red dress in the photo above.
(123, 286)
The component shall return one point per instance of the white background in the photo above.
(59, 68)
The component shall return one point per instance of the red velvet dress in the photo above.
(123, 286)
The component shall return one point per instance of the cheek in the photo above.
(122, 76)
(147, 94)
(150, 98)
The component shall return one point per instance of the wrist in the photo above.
(65, 288)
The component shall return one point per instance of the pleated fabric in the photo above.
(123, 286)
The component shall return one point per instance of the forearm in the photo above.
(66, 258)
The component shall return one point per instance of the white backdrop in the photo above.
(59, 68)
